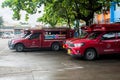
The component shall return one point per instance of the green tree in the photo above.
(30, 6)
(49, 17)
(59, 10)
(1, 21)
(55, 12)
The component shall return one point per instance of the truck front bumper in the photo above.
(10, 45)
(73, 52)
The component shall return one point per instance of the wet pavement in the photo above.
(54, 65)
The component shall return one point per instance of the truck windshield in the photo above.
(28, 36)
(84, 34)
(25, 34)
(93, 35)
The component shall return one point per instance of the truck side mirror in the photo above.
(29, 38)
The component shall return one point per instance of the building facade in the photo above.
(114, 12)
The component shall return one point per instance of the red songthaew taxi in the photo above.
(41, 38)
(103, 39)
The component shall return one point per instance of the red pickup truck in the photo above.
(43, 38)
(103, 39)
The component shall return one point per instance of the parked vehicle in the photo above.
(42, 38)
(103, 39)
(7, 35)
(86, 31)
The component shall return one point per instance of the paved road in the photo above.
(52, 65)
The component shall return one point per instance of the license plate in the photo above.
(69, 52)
(63, 46)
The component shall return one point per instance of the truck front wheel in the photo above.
(90, 54)
(19, 47)
(55, 46)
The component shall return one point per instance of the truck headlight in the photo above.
(12, 42)
(79, 44)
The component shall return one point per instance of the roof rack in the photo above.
(102, 27)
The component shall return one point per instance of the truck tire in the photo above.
(19, 47)
(90, 54)
(55, 46)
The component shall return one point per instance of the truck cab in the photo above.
(85, 32)
(42, 38)
(103, 39)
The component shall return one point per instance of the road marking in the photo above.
(31, 71)
(70, 68)
(63, 69)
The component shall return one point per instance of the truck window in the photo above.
(118, 35)
(55, 35)
(55, 32)
(108, 36)
(63, 32)
(35, 36)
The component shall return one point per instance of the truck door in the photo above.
(118, 42)
(34, 41)
(108, 43)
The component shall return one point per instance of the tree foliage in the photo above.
(59, 10)
(30, 6)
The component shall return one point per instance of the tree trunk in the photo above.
(77, 27)
(69, 23)
(87, 22)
